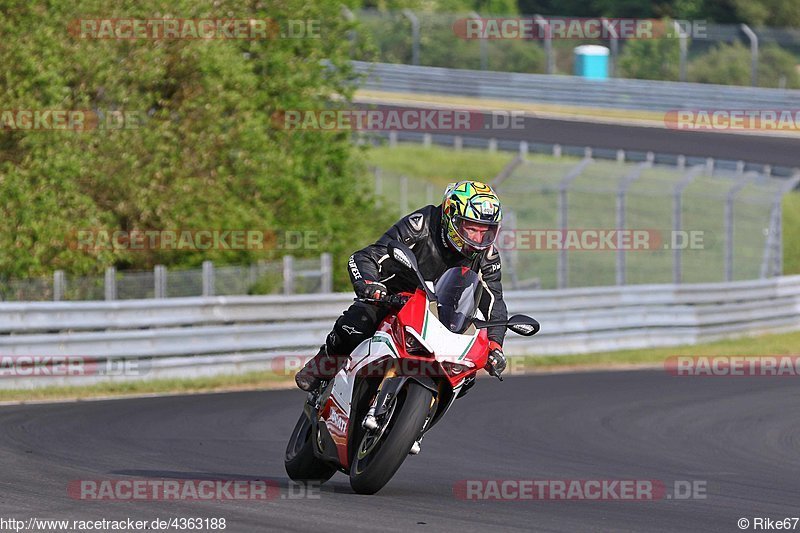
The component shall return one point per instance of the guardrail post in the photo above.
(414, 35)
(677, 218)
(58, 285)
(556, 150)
(563, 220)
(587, 152)
(709, 166)
(393, 139)
(523, 149)
(751, 35)
(160, 280)
(492, 145)
(622, 191)
(427, 140)
(684, 47)
(458, 143)
(208, 278)
(681, 163)
(548, 43)
(110, 283)
(729, 200)
(288, 274)
(326, 272)
(620, 156)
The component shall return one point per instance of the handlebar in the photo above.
(391, 300)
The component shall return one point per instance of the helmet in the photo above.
(470, 216)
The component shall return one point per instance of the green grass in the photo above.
(791, 231)
(430, 169)
(772, 344)
(248, 381)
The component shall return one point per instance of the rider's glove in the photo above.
(497, 360)
(370, 289)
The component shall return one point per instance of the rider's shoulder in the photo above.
(417, 223)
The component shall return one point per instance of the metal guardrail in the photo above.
(190, 337)
(572, 90)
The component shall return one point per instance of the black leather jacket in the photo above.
(422, 232)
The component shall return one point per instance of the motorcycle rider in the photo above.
(461, 231)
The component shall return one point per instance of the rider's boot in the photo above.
(320, 367)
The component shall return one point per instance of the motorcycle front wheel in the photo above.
(381, 452)
(300, 462)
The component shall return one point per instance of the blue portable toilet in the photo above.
(591, 61)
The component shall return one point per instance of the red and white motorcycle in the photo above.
(398, 384)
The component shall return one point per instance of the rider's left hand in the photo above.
(497, 360)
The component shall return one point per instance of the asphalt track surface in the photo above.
(762, 149)
(739, 436)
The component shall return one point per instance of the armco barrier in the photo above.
(204, 336)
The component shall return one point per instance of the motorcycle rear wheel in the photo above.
(300, 462)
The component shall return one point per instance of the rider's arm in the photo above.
(492, 305)
(365, 263)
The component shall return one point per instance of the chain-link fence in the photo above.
(573, 222)
(289, 276)
(697, 51)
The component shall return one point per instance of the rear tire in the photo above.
(300, 462)
(370, 472)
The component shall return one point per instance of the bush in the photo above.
(206, 156)
(729, 64)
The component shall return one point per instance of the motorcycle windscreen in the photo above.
(458, 293)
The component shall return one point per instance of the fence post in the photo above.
(556, 150)
(427, 140)
(563, 219)
(58, 285)
(288, 274)
(326, 272)
(773, 245)
(414, 35)
(160, 279)
(492, 145)
(677, 218)
(681, 163)
(751, 35)
(483, 44)
(730, 198)
(110, 285)
(548, 42)
(620, 156)
(458, 142)
(393, 139)
(684, 46)
(622, 191)
(613, 38)
(208, 278)
(523, 149)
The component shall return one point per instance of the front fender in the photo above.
(391, 386)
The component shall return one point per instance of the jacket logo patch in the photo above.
(415, 221)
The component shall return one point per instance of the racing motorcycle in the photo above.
(398, 384)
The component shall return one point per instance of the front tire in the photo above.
(300, 462)
(370, 471)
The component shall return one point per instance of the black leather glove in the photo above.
(370, 289)
(497, 361)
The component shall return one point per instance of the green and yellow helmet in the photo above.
(470, 216)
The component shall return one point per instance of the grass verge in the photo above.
(774, 344)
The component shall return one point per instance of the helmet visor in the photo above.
(480, 235)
